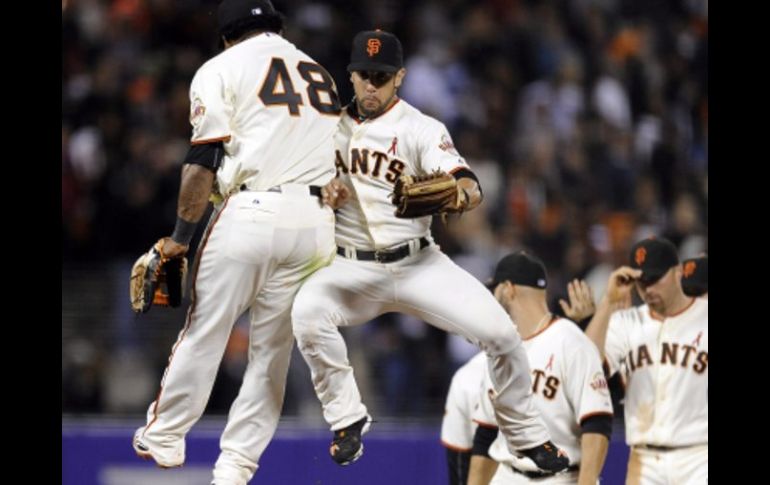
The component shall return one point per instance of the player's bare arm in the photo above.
(194, 192)
(471, 188)
(482, 470)
(617, 297)
(593, 448)
(581, 301)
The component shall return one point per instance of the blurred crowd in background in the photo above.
(586, 122)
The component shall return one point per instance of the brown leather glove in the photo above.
(424, 195)
(157, 279)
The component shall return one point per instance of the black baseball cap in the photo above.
(230, 11)
(520, 268)
(695, 276)
(654, 256)
(376, 50)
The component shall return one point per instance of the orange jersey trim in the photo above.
(190, 311)
(358, 122)
(455, 448)
(553, 319)
(485, 425)
(660, 318)
(211, 140)
(591, 415)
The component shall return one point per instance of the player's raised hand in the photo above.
(335, 194)
(620, 284)
(581, 301)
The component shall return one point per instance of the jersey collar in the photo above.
(352, 110)
(656, 316)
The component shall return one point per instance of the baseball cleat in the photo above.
(347, 447)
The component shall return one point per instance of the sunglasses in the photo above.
(377, 78)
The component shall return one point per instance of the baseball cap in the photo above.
(376, 50)
(230, 11)
(520, 268)
(695, 276)
(654, 256)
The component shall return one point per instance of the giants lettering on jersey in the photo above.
(670, 354)
(379, 165)
(550, 383)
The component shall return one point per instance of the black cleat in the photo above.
(547, 457)
(347, 447)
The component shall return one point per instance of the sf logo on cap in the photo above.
(373, 47)
(689, 268)
(640, 256)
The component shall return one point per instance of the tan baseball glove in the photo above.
(156, 279)
(424, 195)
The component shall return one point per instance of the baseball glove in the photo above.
(156, 279)
(424, 195)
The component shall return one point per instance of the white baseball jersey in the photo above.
(665, 362)
(458, 427)
(568, 384)
(424, 283)
(242, 97)
(370, 158)
(270, 105)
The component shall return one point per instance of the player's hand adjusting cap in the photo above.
(654, 256)
(520, 268)
(376, 50)
(230, 11)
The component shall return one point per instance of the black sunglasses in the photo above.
(377, 78)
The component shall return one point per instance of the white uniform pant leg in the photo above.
(686, 466)
(254, 414)
(222, 290)
(344, 293)
(432, 287)
(689, 466)
(302, 243)
(645, 467)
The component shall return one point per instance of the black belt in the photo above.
(665, 448)
(384, 255)
(314, 190)
(571, 468)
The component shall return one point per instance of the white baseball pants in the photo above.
(682, 466)
(259, 248)
(431, 287)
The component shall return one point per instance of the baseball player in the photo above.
(695, 276)
(263, 118)
(568, 383)
(457, 426)
(386, 264)
(662, 348)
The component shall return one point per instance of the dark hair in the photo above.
(264, 23)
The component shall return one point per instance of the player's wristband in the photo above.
(483, 439)
(183, 231)
(599, 423)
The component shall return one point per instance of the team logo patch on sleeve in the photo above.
(447, 145)
(599, 384)
(197, 110)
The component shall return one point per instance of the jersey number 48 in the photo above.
(318, 81)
